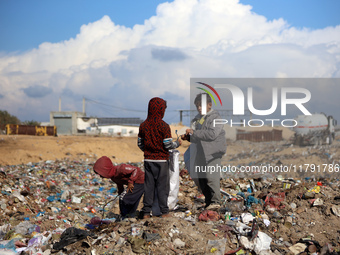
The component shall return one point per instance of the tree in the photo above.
(31, 123)
(6, 118)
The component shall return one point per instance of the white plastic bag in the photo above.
(260, 244)
(174, 178)
(174, 184)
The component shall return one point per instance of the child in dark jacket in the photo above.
(155, 140)
(123, 174)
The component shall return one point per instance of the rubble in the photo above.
(62, 207)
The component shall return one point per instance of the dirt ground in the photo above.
(22, 149)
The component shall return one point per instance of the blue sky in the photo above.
(299, 13)
(122, 53)
(26, 24)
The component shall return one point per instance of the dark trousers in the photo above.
(156, 177)
(128, 205)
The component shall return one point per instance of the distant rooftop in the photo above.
(119, 121)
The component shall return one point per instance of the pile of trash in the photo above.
(63, 207)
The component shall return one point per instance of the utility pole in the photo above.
(180, 117)
(84, 106)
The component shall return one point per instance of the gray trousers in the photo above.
(209, 182)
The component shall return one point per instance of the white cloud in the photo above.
(125, 67)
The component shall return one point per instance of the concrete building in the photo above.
(66, 122)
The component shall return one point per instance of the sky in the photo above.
(119, 54)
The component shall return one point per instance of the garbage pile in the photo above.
(63, 207)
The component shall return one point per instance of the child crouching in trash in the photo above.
(123, 174)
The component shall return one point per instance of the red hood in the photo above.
(156, 109)
(104, 167)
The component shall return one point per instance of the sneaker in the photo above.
(213, 207)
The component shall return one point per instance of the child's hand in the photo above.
(189, 131)
(184, 137)
(130, 187)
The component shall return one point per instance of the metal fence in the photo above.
(12, 129)
(259, 136)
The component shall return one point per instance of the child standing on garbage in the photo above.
(154, 138)
(123, 174)
(211, 146)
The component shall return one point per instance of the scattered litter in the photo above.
(63, 207)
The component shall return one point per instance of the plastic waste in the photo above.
(216, 247)
(36, 241)
(149, 236)
(26, 228)
(76, 200)
(260, 244)
(65, 195)
(209, 216)
(18, 196)
(7, 252)
(251, 200)
(297, 248)
(136, 230)
(242, 228)
(4, 229)
(274, 200)
(138, 245)
(247, 217)
(266, 222)
(336, 210)
(8, 244)
(235, 206)
(96, 221)
(174, 178)
(71, 235)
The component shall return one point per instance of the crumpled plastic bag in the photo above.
(71, 235)
(274, 200)
(174, 178)
(151, 236)
(138, 245)
(209, 215)
(26, 228)
(259, 245)
(247, 217)
(297, 248)
(242, 228)
(217, 247)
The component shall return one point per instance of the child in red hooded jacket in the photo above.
(154, 139)
(123, 174)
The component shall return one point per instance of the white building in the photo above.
(113, 126)
(73, 123)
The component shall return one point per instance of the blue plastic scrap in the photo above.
(112, 190)
(252, 200)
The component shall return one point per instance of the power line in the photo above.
(121, 108)
(116, 107)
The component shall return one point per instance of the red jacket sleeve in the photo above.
(128, 172)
